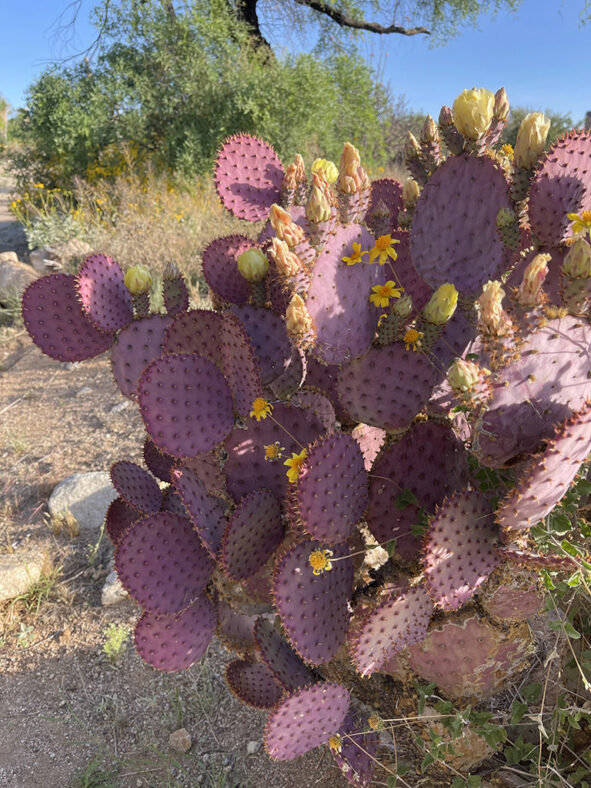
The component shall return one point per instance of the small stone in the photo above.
(180, 740)
(84, 391)
(85, 497)
(113, 592)
(120, 406)
(14, 277)
(20, 571)
(253, 747)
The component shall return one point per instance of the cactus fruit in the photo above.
(324, 437)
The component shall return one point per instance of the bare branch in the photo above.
(344, 20)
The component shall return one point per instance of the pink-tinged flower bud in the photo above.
(297, 317)
(473, 112)
(300, 169)
(289, 179)
(402, 307)
(429, 132)
(410, 193)
(446, 117)
(530, 289)
(411, 146)
(317, 206)
(577, 263)
(288, 263)
(253, 265)
(531, 139)
(442, 305)
(285, 228)
(352, 176)
(138, 280)
(501, 110)
(463, 375)
(327, 168)
(493, 318)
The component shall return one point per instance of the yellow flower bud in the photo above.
(473, 112)
(289, 179)
(528, 293)
(493, 318)
(287, 262)
(352, 177)
(285, 228)
(429, 132)
(327, 168)
(317, 206)
(253, 265)
(442, 305)
(411, 146)
(300, 168)
(138, 280)
(297, 317)
(402, 307)
(577, 263)
(410, 192)
(531, 139)
(463, 375)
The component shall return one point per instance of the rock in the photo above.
(180, 740)
(84, 391)
(67, 255)
(14, 277)
(120, 406)
(253, 747)
(8, 257)
(85, 497)
(113, 592)
(20, 571)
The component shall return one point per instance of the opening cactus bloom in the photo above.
(577, 263)
(297, 317)
(531, 139)
(327, 168)
(530, 289)
(493, 318)
(285, 228)
(253, 265)
(138, 280)
(442, 305)
(473, 112)
(581, 223)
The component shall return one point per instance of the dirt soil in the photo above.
(69, 716)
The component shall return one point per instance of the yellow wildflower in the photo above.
(507, 151)
(382, 294)
(260, 408)
(356, 256)
(582, 223)
(412, 339)
(273, 451)
(383, 249)
(38, 186)
(320, 561)
(335, 742)
(294, 464)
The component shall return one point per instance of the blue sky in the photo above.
(540, 54)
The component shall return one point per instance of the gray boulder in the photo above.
(85, 497)
(62, 256)
(20, 571)
(14, 277)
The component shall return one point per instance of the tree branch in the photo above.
(360, 24)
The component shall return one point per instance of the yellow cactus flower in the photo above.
(441, 305)
(327, 168)
(260, 409)
(294, 464)
(273, 451)
(473, 112)
(320, 561)
(382, 294)
(356, 256)
(580, 223)
(253, 265)
(412, 339)
(138, 280)
(531, 139)
(383, 249)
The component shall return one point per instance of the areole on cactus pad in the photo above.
(317, 492)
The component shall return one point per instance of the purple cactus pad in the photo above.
(293, 377)
(235, 630)
(248, 176)
(186, 404)
(547, 477)
(120, 515)
(399, 621)
(359, 750)
(172, 502)
(174, 643)
(389, 192)
(56, 323)
(316, 403)
(280, 658)
(159, 463)
(331, 491)
(313, 608)
(207, 513)
(306, 719)
(220, 268)
(162, 564)
(387, 387)
(103, 293)
(406, 275)
(240, 365)
(267, 333)
(460, 548)
(454, 236)
(135, 347)
(253, 532)
(197, 331)
(136, 486)
(253, 683)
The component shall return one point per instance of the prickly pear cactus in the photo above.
(317, 443)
